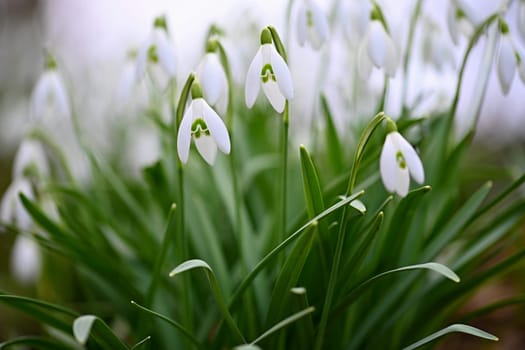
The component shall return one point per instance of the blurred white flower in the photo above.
(507, 63)
(377, 48)
(49, 96)
(212, 77)
(459, 20)
(127, 82)
(398, 161)
(202, 124)
(521, 18)
(30, 159)
(435, 49)
(268, 69)
(11, 209)
(157, 56)
(25, 260)
(312, 25)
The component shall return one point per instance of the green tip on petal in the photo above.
(503, 26)
(51, 62)
(160, 22)
(211, 45)
(266, 36)
(196, 90)
(390, 126)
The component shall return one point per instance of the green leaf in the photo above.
(311, 186)
(461, 328)
(175, 324)
(34, 343)
(334, 148)
(197, 263)
(90, 325)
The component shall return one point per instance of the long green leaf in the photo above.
(35, 343)
(461, 328)
(197, 263)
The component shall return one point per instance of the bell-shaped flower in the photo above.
(398, 162)
(312, 25)
(378, 49)
(507, 63)
(459, 22)
(26, 260)
(214, 82)
(11, 208)
(268, 69)
(202, 124)
(30, 159)
(49, 95)
(157, 56)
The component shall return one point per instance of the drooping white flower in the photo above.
(378, 49)
(26, 260)
(127, 82)
(398, 162)
(436, 50)
(202, 124)
(11, 208)
(49, 95)
(157, 55)
(214, 82)
(30, 158)
(268, 69)
(459, 21)
(312, 25)
(507, 63)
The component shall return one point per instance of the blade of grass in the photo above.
(461, 328)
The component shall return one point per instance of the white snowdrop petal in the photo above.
(207, 148)
(376, 44)
(320, 23)
(222, 103)
(11, 208)
(364, 65)
(166, 53)
(506, 64)
(211, 77)
(40, 95)
(388, 167)
(184, 135)
(217, 129)
(521, 18)
(58, 91)
(30, 153)
(253, 79)
(402, 182)
(392, 59)
(126, 83)
(282, 74)
(142, 60)
(452, 24)
(274, 95)
(302, 25)
(413, 162)
(521, 70)
(25, 260)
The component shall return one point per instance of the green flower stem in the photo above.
(408, 52)
(363, 141)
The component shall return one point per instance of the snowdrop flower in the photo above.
(436, 49)
(377, 48)
(49, 95)
(11, 208)
(507, 62)
(312, 25)
(157, 55)
(202, 124)
(30, 159)
(268, 69)
(212, 77)
(459, 21)
(127, 81)
(398, 161)
(25, 260)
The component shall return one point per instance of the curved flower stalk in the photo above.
(49, 95)
(11, 208)
(157, 56)
(377, 47)
(312, 25)
(269, 70)
(460, 20)
(398, 162)
(30, 159)
(202, 124)
(212, 77)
